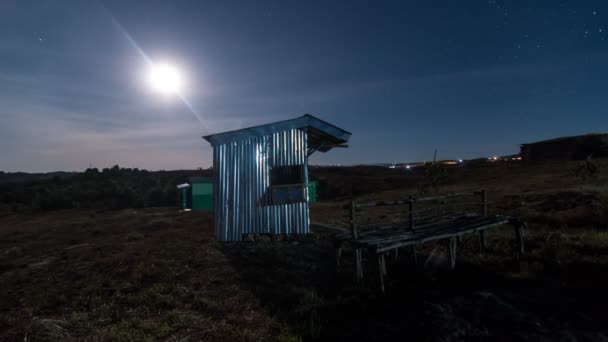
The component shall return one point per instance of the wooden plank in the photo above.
(445, 233)
(399, 227)
(416, 199)
(371, 238)
(381, 248)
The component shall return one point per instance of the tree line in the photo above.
(110, 188)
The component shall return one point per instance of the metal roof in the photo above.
(183, 186)
(566, 138)
(322, 136)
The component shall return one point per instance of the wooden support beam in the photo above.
(353, 223)
(411, 213)
(383, 258)
(452, 247)
(519, 237)
(484, 203)
(482, 242)
(381, 271)
(358, 265)
(355, 236)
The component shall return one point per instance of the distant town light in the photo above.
(407, 167)
(460, 160)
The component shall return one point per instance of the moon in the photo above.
(165, 78)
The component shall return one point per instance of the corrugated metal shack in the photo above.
(261, 175)
(575, 147)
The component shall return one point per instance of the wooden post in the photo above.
(483, 212)
(519, 237)
(484, 203)
(355, 236)
(382, 256)
(353, 224)
(411, 215)
(482, 242)
(381, 271)
(358, 265)
(338, 255)
(452, 247)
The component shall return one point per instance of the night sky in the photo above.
(470, 78)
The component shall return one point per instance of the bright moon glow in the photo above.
(165, 78)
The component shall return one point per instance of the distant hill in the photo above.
(24, 177)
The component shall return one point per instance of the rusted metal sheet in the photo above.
(242, 180)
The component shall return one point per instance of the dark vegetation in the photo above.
(120, 188)
(157, 274)
(110, 188)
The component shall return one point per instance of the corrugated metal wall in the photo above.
(241, 186)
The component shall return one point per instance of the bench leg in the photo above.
(338, 255)
(383, 257)
(483, 244)
(414, 254)
(358, 265)
(381, 270)
(452, 247)
(519, 237)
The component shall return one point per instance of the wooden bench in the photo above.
(449, 225)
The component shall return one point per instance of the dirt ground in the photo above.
(157, 274)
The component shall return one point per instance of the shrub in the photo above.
(588, 169)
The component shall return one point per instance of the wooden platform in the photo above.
(385, 238)
(382, 239)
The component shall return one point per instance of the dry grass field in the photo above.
(157, 274)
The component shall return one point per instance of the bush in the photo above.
(435, 176)
(588, 169)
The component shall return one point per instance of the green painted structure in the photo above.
(202, 193)
(185, 190)
(312, 191)
(198, 193)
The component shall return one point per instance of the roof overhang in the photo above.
(322, 136)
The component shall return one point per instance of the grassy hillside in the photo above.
(157, 274)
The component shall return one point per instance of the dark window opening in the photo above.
(287, 184)
(284, 175)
